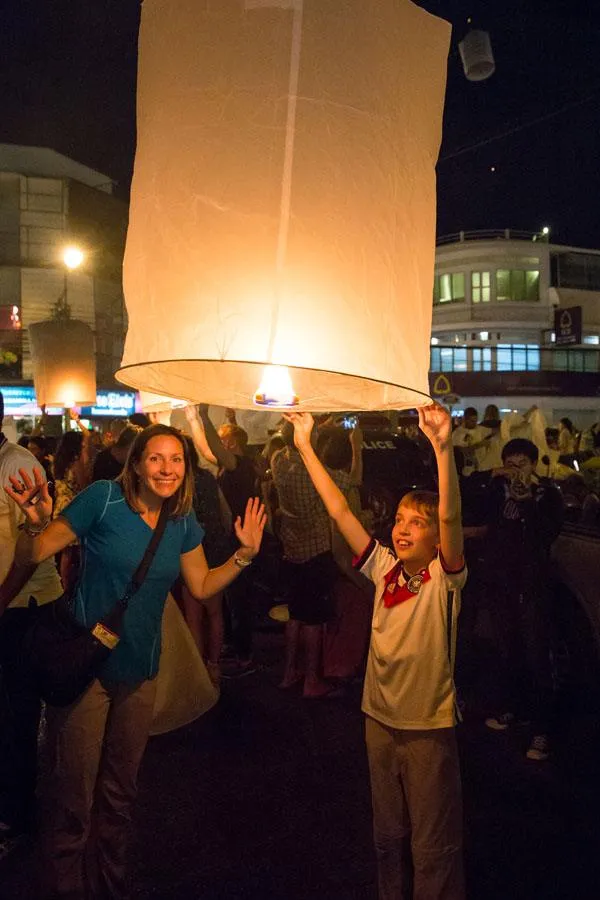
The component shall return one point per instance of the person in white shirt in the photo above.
(409, 697)
(17, 585)
(473, 440)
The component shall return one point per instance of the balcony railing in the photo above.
(513, 358)
(492, 234)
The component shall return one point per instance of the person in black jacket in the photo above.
(525, 517)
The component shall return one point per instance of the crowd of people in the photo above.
(357, 603)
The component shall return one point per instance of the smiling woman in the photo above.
(112, 718)
(158, 467)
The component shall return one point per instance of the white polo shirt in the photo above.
(409, 679)
(44, 584)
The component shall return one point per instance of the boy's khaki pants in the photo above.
(417, 806)
(94, 750)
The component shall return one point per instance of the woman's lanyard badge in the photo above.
(395, 593)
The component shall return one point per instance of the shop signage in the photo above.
(20, 401)
(567, 326)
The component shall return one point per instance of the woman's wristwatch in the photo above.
(240, 562)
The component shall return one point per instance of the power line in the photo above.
(498, 137)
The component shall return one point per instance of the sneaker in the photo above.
(500, 723)
(539, 749)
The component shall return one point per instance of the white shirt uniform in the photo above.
(409, 680)
(44, 584)
(465, 438)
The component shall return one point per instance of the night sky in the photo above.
(67, 81)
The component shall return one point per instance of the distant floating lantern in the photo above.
(283, 202)
(477, 56)
(64, 364)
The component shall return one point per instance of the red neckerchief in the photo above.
(395, 593)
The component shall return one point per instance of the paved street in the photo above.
(267, 797)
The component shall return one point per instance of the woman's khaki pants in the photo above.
(417, 811)
(95, 748)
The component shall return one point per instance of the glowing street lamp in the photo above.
(73, 257)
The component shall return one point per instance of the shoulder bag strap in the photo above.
(140, 573)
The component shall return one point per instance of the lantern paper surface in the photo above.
(64, 364)
(283, 200)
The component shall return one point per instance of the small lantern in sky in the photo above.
(476, 55)
(283, 202)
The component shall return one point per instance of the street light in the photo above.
(73, 257)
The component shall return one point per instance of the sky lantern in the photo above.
(282, 226)
(64, 361)
(477, 55)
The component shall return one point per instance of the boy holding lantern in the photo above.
(409, 695)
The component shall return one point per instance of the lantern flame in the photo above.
(276, 388)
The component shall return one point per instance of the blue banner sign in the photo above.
(20, 401)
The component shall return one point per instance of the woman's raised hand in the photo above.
(249, 532)
(31, 496)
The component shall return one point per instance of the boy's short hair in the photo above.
(426, 502)
(470, 411)
(520, 447)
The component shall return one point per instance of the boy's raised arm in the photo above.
(436, 425)
(334, 500)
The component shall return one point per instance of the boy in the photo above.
(525, 517)
(409, 696)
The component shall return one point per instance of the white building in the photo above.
(46, 202)
(494, 337)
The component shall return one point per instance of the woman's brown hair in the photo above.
(181, 502)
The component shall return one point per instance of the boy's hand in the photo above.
(436, 425)
(303, 425)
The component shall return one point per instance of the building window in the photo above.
(591, 339)
(449, 288)
(482, 359)
(517, 285)
(447, 359)
(576, 270)
(481, 287)
(518, 358)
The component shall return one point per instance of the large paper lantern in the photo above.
(64, 362)
(283, 200)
